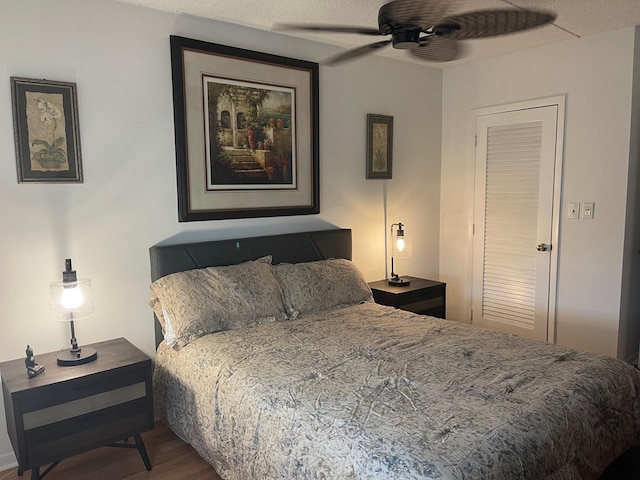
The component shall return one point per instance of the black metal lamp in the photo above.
(400, 248)
(72, 300)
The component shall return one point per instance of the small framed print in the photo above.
(379, 146)
(46, 131)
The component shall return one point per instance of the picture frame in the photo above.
(46, 131)
(379, 146)
(246, 132)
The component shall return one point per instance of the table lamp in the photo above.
(72, 300)
(400, 248)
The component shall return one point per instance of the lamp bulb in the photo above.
(71, 298)
(400, 244)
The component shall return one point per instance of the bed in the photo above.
(282, 367)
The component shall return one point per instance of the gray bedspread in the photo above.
(368, 392)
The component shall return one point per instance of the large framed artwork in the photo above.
(246, 132)
(46, 131)
(379, 146)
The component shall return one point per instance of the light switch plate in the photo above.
(574, 211)
(587, 211)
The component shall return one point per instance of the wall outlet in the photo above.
(587, 211)
(574, 211)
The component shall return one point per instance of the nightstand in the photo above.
(426, 297)
(69, 410)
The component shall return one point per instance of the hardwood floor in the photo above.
(171, 458)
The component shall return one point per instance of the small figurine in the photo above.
(33, 368)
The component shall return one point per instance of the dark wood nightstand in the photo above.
(68, 410)
(426, 297)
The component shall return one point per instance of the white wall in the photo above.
(119, 57)
(596, 74)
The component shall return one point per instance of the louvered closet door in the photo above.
(515, 162)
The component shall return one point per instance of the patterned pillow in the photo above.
(313, 287)
(194, 303)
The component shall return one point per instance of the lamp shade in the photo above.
(400, 248)
(400, 243)
(71, 300)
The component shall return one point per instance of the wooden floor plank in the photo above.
(171, 458)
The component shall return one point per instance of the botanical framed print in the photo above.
(46, 131)
(246, 132)
(379, 145)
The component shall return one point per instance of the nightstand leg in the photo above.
(35, 472)
(143, 451)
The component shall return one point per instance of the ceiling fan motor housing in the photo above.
(406, 38)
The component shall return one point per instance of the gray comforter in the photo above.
(372, 392)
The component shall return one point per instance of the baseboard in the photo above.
(7, 461)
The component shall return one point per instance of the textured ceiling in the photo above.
(575, 18)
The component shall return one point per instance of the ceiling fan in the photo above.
(427, 31)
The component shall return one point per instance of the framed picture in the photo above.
(47, 135)
(379, 145)
(246, 132)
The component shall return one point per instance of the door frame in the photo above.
(559, 101)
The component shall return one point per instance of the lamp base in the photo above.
(399, 281)
(69, 358)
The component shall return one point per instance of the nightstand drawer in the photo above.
(422, 295)
(53, 441)
(422, 306)
(80, 389)
(83, 406)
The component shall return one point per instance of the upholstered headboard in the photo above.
(289, 248)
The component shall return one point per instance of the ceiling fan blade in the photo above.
(302, 27)
(438, 49)
(356, 52)
(491, 23)
(419, 13)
